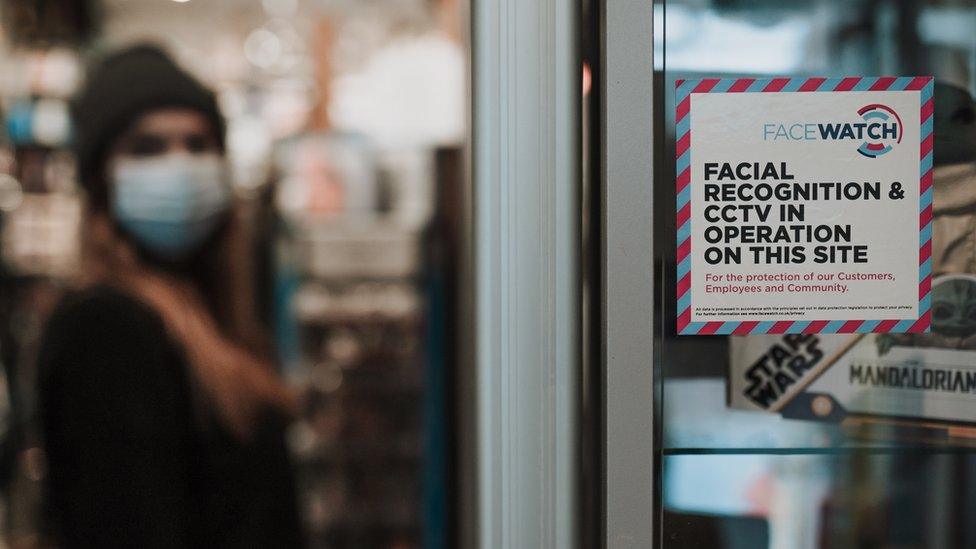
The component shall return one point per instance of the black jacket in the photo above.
(133, 459)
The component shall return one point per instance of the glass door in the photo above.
(875, 450)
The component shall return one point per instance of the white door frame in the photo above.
(526, 86)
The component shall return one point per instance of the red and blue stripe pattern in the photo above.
(683, 92)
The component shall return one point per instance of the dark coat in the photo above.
(134, 459)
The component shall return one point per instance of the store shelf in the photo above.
(836, 451)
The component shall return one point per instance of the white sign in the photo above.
(803, 205)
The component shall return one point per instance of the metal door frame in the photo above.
(523, 263)
(628, 272)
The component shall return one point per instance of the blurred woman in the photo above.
(162, 423)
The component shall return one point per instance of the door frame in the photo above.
(628, 272)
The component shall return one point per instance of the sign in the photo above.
(804, 205)
(929, 376)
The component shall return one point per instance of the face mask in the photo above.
(170, 204)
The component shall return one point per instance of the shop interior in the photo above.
(345, 123)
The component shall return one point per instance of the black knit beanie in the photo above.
(118, 90)
(955, 125)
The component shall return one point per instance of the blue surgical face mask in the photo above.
(170, 204)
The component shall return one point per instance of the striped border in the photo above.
(683, 91)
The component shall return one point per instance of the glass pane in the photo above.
(899, 499)
(737, 476)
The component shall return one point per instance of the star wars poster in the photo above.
(908, 376)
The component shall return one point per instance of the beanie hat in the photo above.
(118, 90)
(955, 125)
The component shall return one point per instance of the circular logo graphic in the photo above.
(882, 129)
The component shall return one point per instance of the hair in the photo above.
(213, 270)
(236, 389)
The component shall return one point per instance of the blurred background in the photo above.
(347, 123)
(345, 120)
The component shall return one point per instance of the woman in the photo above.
(162, 425)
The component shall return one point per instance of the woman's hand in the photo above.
(241, 385)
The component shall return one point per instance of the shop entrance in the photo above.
(858, 453)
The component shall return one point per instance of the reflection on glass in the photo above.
(807, 476)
